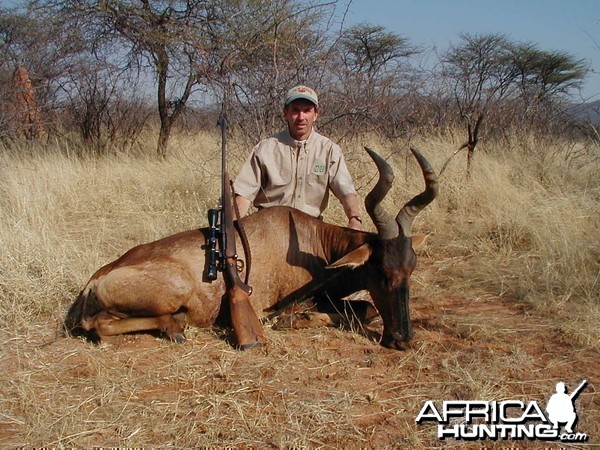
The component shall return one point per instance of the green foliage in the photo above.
(371, 48)
(488, 67)
(545, 74)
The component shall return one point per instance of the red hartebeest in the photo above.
(160, 285)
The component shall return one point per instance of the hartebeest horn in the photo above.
(409, 211)
(387, 228)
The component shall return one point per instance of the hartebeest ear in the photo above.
(418, 242)
(354, 259)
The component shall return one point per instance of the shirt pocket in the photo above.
(315, 189)
(279, 176)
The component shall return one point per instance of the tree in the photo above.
(106, 108)
(43, 50)
(480, 74)
(194, 48)
(259, 50)
(486, 71)
(371, 71)
(545, 76)
(165, 36)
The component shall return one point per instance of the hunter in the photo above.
(297, 166)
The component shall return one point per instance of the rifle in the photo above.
(576, 392)
(246, 325)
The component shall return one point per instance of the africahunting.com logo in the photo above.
(508, 419)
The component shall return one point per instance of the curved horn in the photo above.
(386, 227)
(409, 211)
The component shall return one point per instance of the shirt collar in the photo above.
(294, 143)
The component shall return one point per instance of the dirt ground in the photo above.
(315, 388)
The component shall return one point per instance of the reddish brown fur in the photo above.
(289, 250)
(166, 276)
(294, 256)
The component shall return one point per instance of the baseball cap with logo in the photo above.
(303, 92)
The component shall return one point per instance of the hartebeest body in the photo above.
(161, 285)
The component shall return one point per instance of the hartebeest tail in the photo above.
(86, 305)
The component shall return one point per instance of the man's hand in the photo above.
(355, 222)
(350, 204)
(243, 204)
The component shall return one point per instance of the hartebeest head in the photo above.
(391, 259)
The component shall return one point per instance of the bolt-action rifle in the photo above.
(576, 392)
(246, 325)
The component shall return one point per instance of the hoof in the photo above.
(250, 346)
(178, 338)
(395, 345)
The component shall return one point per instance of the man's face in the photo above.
(300, 116)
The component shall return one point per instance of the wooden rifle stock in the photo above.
(246, 325)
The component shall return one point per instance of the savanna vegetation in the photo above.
(108, 140)
(505, 304)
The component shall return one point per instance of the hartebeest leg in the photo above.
(304, 319)
(173, 326)
(107, 324)
(333, 313)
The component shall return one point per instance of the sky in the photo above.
(566, 25)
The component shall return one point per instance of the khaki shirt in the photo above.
(282, 171)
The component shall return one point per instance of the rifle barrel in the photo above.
(578, 390)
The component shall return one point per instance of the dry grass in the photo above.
(506, 305)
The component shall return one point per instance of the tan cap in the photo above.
(299, 92)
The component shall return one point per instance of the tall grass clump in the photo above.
(505, 302)
(528, 223)
(525, 226)
(64, 216)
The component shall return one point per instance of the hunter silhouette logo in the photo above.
(507, 419)
(561, 406)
